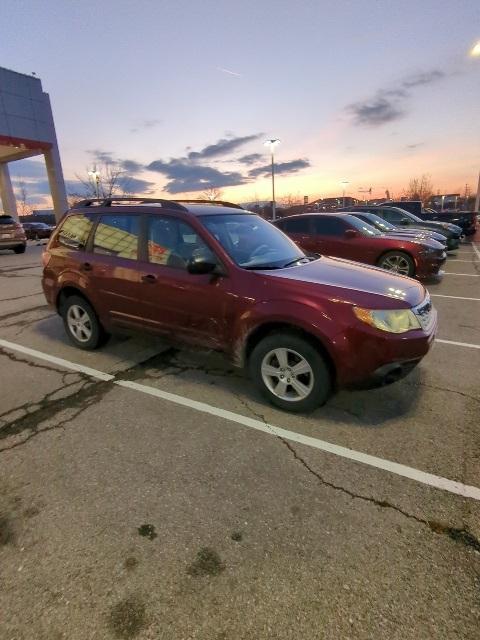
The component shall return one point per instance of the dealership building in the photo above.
(27, 130)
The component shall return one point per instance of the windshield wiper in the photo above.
(292, 262)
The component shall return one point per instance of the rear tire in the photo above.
(81, 323)
(290, 372)
(20, 249)
(397, 262)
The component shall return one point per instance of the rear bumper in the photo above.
(12, 243)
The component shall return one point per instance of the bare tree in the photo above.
(23, 208)
(213, 193)
(289, 200)
(104, 182)
(420, 188)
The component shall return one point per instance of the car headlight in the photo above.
(391, 320)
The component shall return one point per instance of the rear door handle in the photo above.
(86, 266)
(149, 279)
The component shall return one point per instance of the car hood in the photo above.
(354, 279)
(443, 227)
(420, 234)
(417, 239)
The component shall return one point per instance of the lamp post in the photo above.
(475, 53)
(344, 185)
(95, 175)
(272, 143)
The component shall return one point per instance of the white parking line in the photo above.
(458, 344)
(472, 261)
(439, 295)
(429, 479)
(474, 247)
(66, 364)
(470, 275)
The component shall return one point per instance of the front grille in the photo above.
(426, 314)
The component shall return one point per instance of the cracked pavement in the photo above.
(295, 543)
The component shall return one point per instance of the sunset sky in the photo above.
(183, 93)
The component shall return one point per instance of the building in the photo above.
(26, 130)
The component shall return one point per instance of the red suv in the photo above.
(221, 277)
(346, 236)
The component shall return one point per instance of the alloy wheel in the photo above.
(397, 264)
(79, 323)
(287, 374)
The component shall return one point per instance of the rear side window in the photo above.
(75, 231)
(329, 226)
(117, 235)
(6, 220)
(297, 225)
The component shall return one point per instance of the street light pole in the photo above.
(272, 143)
(344, 184)
(96, 176)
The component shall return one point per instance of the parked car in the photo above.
(12, 235)
(385, 227)
(466, 220)
(222, 277)
(37, 230)
(343, 235)
(401, 218)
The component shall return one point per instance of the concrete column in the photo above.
(55, 180)
(6, 192)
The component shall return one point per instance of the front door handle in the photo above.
(149, 279)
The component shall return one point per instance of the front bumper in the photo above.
(453, 243)
(373, 358)
(430, 266)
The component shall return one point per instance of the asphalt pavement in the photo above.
(165, 499)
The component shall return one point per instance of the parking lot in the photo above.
(147, 491)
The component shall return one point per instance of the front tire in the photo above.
(290, 372)
(397, 262)
(81, 324)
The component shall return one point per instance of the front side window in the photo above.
(365, 228)
(251, 242)
(329, 226)
(174, 243)
(74, 231)
(117, 235)
(394, 217)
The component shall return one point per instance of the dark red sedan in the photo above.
(345, 236)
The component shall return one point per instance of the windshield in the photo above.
(380, 223)
(252, 242)
(362, 226)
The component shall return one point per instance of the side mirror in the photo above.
(403, 222)
(202, 262)
(200, 266)
(351, 233)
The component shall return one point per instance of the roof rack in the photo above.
(107, 202)
(220, 203)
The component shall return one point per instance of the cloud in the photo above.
(391, 104)
(223, 147)
(422, 79)
(101, 156)
(135, 185)
(229, 72)
(145, 124)
(27, 169)
(251, 158)
(414, 145)
(185, 176)
(376, 112)
(280, 168)
(131, 166)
